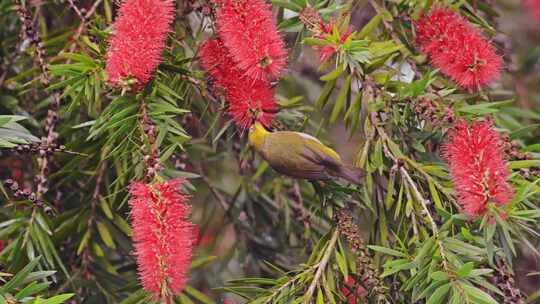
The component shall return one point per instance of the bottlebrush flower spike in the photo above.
(458, 49)
(249, 100)
(139, 35)
(327, 51)
(475, 157)
(251, 103)
(247, 29)
(162, 236)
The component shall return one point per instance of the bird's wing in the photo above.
(289, 159)
(315, 144)
(321, 158)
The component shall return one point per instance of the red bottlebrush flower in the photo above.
(533, 7)
(249, 100)
(162, 236)
(249, 32)
(458, 49)
(352, 291)
(216, 61)
(475, 157)
(326, 52)
(138, 38)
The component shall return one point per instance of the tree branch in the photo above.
(321, 266)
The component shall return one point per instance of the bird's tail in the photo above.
(335, 167)
(351, 174)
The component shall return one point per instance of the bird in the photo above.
(300, 155)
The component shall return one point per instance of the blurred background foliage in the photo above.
(262, 237)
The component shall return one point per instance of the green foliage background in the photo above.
(264, 238)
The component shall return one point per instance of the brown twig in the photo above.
(152, 163)
(298, 206)
(222, 201)
(29, 32)
(84, 21)
(77, 11)
(21, 192)
(101, 170)
(321, 266)
(423, 202)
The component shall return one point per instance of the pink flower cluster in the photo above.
(475, 156)
(162, 236)
(533, 7)
(247, 29)
(248, 54)
(139, 35)
(458, 49)
(248, 99)
(353, 291)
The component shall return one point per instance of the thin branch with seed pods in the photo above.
(30, 32)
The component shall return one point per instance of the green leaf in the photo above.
(105, 208)
(334, 74)
(521, 164)
(439, 295)
(435, 195)
(84, 242)
(5, 119)
(184, 299)
(405, 266)
(19, 277)
(320, 297)
(477, 294)
(32, 289)
(484, 108)
(291, 102)
(38, 275)
(340, 100)
(59, 299)
(315, 41)
(325, 94)
(79, 58)
(200, 261)
(465, 270)
(388, 200)
(387, 251)
(288, 5)
(480, 272)
(135, 297)
(369, 27)
(105, 235)
(197, 295)
(425, 250)
(384, 48)
(342, 264)
(122, 225)
(439, 276)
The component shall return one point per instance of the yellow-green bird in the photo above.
(300, 155)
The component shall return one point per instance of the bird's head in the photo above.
(257, 132)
